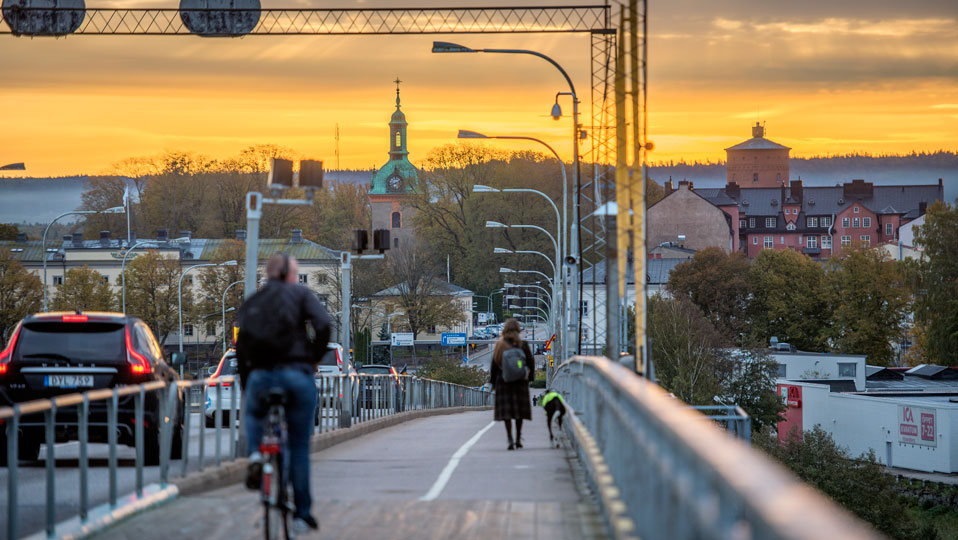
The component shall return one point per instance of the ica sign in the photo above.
(916, 425)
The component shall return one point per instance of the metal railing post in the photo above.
(13, 441)
(140, 445)
(187, 420)
(111, 412)
(218, 420)
(202, 428)
(49, 424)
(233, 393)
(84, 462)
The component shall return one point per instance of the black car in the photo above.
(369, 386)
(51, 354)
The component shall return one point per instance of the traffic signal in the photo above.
(310, 173)
(381, 240)
(281, 173)
(360, 240)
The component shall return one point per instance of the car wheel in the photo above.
(29, 449)
(176, 450)
(151, 447)
(211, 421)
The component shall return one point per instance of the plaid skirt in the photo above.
(512, 401)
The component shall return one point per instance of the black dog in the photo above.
(552, 402)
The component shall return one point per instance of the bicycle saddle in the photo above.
(276, 396)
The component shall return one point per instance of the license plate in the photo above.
(67, 381)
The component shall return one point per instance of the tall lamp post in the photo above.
(43, 242)
(556, 113)
(179, 297)
(126, 254)
(224, 310)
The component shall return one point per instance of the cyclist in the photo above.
(274, 350)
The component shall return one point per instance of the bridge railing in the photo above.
(663, 470)
(155, 419)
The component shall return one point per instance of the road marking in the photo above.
(446, 473)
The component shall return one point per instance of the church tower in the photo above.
(394, 183)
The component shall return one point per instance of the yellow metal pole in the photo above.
(637, 174)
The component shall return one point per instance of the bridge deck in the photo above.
(371, 487)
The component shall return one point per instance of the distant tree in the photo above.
(686, 350)
(84, 289)
(868, 300)
(21, 292)
(453, 371)
(419, 291)
(336, 212)
(718, 283)
(788, 300)
(937, 283)
(8, 231)
(214, 280)
(151, 292)
(750, 383)
(104, 192)
(383, 334)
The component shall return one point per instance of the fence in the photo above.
(733, 417)
(666, 471)
(155, 417)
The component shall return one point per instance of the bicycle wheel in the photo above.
(274, 504)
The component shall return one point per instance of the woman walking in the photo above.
(512, 398)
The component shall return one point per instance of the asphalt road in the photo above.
(439, 477)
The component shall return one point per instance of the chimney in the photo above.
(922, 208)
(77, 239)
(858, 187)
(669, 187)
(784, 193)
(297, 236)
(162, 235)
(67, 237)
(732, 190)
(797, 190)
(758, 130)
(241, 235)
(21, 237)
(186, 234)
(104, 238)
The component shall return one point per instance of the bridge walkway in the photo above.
(389, 484)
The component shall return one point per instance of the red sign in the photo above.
(792, 416)
(916, 425)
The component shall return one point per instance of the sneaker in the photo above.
(518, 443)
(254, 471)
(511, 446)
(304, 525)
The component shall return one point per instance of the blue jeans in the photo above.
(300, 413)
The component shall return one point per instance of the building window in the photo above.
(826, 222)
(741, 224)
(811, 242)
(781, 240)
(788, 211)
(754, 177)
(856, 224)
(778, 177)
(780, 372)
(811, 222)
(790, 227)
(398, 139)
(866, 222)
(846, 369)
(857, 210)
(105, 278)
(58, 280)
(846, 240)
(397, 220)
(889, 229)
(769, 242)
(431, 329)
(211, 329)
(866, 239)
(826, 242)
(751, 223)
(585, 307)
(845, 222)
(395, 242)
(187, 329)
(304, 279)
(754, 240)
(769, 222)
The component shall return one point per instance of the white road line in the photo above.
(446, 473)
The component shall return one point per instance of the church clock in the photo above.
(395, 183)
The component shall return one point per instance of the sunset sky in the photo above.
(827, 77)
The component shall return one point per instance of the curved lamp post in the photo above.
(43, 242)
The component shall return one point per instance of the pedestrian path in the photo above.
(384, 486)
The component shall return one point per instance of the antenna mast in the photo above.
(337, 146)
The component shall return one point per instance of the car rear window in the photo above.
(89, 341)
(375, 370)
(329, 359)
(229, 364)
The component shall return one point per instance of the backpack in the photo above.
(514, 365)
(267, 331)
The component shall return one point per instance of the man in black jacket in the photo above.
(274, 349)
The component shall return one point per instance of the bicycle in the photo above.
(272, 447)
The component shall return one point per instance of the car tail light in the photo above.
(75, 318)
(139, 365)
(8, 352)
(216, 374)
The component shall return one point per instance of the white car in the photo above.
(227, 366)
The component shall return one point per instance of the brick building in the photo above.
(757, 162)
(686, 217)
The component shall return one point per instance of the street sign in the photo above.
(552, 362)
(401, 339)
(453, 338)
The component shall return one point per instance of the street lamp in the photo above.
(224, 310)
(556, 113)
(525, 251)
(14, 167)
(179, 297)
(126, 254)
(511, 271)
(43, 242)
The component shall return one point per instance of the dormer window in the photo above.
(790, 226)
(856, 210)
